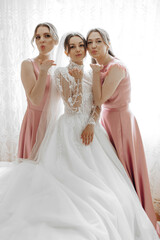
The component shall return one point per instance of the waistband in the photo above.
(118, 109)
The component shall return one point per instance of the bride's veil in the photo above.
(61, 57)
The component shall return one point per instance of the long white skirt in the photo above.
(74, 192)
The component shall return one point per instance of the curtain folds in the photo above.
(134, 29)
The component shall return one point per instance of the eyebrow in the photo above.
(95, 39)
(74, 43)
(43, 33)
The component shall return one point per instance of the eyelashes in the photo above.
(46, 36)
(37, 37)
(99, 41)
(81, 45)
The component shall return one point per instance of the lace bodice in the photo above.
(76, 98)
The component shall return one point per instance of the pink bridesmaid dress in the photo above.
(31, 120)
(124, 134)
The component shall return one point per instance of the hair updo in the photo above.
(105, 38)
(69, 36)
(52, 29)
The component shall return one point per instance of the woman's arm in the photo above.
(88, 133)
(34, 88)
(101, 93)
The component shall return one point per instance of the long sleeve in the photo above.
(95, 110)
(95, 113)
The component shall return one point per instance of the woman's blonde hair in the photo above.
(52, 29)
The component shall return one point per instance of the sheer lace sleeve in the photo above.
(95, 113)
(70, 91)
(95, 110)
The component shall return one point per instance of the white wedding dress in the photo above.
(73, 192)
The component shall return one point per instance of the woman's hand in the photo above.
(96, 68)
(87, 134)
(76, 73)
(46, 64)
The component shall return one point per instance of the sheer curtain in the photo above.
(134, 29)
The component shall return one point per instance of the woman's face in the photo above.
(77, 49)
(44, 40)
(96, 46)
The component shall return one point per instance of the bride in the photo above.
(77, 188)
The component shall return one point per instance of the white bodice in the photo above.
(62, 75)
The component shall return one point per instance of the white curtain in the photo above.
(134, 29)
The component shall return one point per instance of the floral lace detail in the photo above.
(70, 90)
(156, 204)
(77, 99)
(93, 114)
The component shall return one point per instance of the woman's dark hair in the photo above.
(105, 38)
(52, 29)
(69, 36)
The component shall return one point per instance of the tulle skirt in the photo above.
(73, 192)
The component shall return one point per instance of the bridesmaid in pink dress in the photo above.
(111, 89)
(36, 82)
